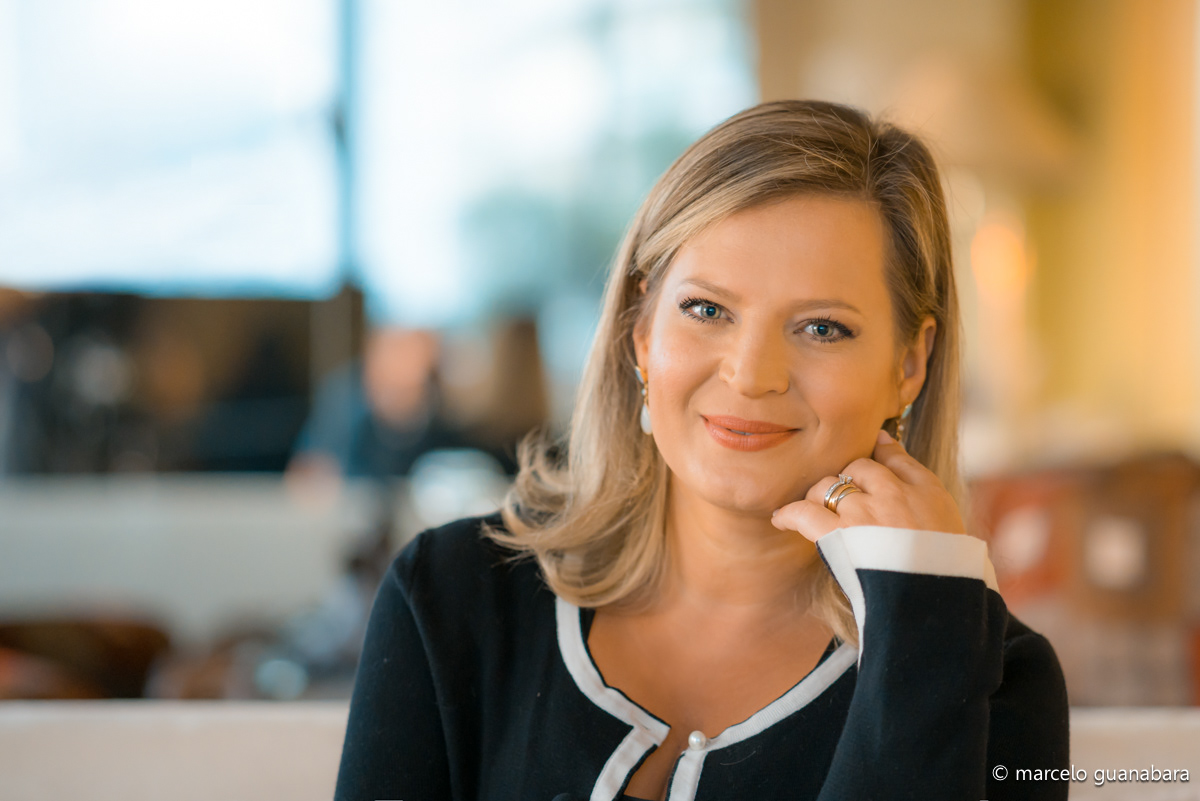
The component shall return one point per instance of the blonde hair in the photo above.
(592, 510)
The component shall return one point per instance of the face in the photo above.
(397, 366)
(770, 354)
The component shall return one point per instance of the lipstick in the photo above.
(738, 434)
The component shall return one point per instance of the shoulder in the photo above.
(458, 569)
(459, 545)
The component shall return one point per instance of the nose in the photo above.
(756, 363)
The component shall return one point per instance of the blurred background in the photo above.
(282, 282)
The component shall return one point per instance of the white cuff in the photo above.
(933, 553)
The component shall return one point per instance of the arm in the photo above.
(337, 415)
(1030, 725)
(395, 747)
(939, 699)
(938, 702)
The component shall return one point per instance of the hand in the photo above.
(897, 491)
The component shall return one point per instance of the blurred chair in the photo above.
(1105, 561)
(32, 678)
(102, 658)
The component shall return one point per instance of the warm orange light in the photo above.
(999, 260)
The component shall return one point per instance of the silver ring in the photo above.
(842, 480)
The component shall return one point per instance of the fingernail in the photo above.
(774, 513)
(884, 436)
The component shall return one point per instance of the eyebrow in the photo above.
(804, 305)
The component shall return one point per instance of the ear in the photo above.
(641, 333)
(914, 360)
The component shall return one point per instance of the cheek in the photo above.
(852, 399)
(678, 361)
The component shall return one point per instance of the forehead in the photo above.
(808, 246)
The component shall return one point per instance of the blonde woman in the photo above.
(747, 572)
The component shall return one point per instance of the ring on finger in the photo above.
(843, 480)
(843, 491)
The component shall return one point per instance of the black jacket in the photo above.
(475, 683)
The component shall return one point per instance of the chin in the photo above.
(747, 495)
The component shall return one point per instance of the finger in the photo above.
(816, 493)
(891, 454)
(870, 475)
(810, 519)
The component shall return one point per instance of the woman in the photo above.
(742, 585)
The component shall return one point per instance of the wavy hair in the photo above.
(592, 508)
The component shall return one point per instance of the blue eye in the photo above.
(825, 330)
(703, 310)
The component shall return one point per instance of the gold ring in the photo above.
(843, 491)
(842, 481)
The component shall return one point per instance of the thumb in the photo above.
(811, 519)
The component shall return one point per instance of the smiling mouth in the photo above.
(741, 426)
(746, 435)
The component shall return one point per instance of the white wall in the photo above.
(193, 552)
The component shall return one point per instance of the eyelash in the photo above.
(842, 331)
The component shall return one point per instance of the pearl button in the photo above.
(697, 741)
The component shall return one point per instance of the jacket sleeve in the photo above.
(394, 747)
(938, 706)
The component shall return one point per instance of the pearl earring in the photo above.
(902, 423)
(645, 418)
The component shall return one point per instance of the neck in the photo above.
(727, 561)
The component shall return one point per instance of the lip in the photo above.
(738, 434)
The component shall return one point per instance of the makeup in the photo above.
(738, 434)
